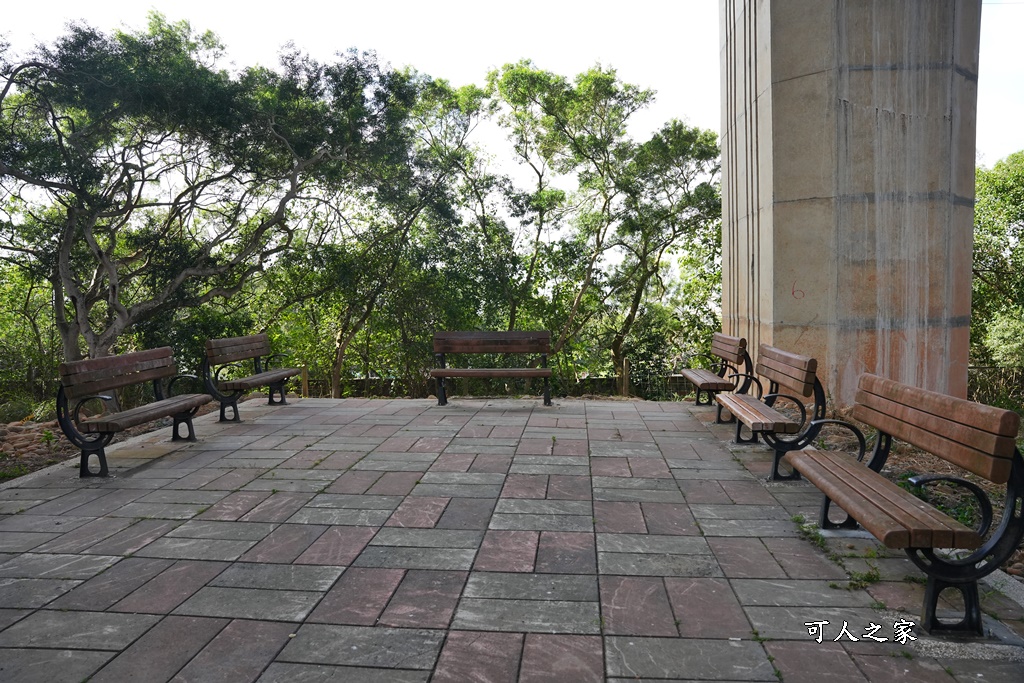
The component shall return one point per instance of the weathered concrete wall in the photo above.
(848, 132)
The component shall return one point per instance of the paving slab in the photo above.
(490, 539)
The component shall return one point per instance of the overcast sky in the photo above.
(671, 46)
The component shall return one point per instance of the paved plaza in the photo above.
(487, 540)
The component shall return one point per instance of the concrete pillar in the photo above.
(848, 133)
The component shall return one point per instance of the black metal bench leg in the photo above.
(83, 467)
(825, 523)
(718, 417)
(742, 439)
(442, 399)
(707, 401)
(279, 388)
(971, 623)
(233, 404)
(183, 420)
(547, 391)
(778, 475)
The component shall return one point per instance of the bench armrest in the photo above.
(794, 399)
(177, 378)
(853, 428)
(983, 501)
(82, 402)
(268, 360)
(760, 389)
(221, 368)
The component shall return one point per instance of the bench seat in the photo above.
(705, 380)
(84, 382)
(118, 422)
(793, 378)
(730, 360)
(230, 351)
(757, 416)
(893, 515)
(488, 342)
(974, 437)
(258, 380)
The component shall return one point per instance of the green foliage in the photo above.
(151, 198)
(998, 286)
(650, 347)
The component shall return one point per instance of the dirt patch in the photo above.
(28, 446)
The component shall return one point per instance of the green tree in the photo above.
(997, 334)
(138, 179)
(672, 200)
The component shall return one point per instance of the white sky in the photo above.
(671, 46)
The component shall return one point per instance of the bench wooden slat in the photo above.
(491, 342)
(893, 515)
(98, 375)
(995, 469)
(491, 372)
(728, 348)
(262, 379)
(118, 422)
(790, 370)
(988, 418)
(231, 349)
(71, 368)
(929, 528)
(705, 380)
(889, 531)
(977, 438)
(756, 415)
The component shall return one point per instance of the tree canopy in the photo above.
(148, 197)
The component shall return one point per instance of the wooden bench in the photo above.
(728, 354)
(222, 354)
(975, 437)
(85, 381)
(783, 370)
(491, 342)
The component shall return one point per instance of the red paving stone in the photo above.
(447, 598)
(562, 658)
(395, 484)
(569, 487)
(525, 486)
(284, 544)
(358, 597)
(421, 512)
(566, 552)
(337, 546)
(669, 519)
(610, 467)
(278, 507)
(507, 551)
(424, 599)
(636, 606)
(706, 608)
(473, 656)
(614, 517)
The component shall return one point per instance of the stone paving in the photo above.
(488, 540)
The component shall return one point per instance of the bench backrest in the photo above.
(96, 375)
(492, 342)
(789, 370)
(974, 436)
(231, 349)
(730, 349)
